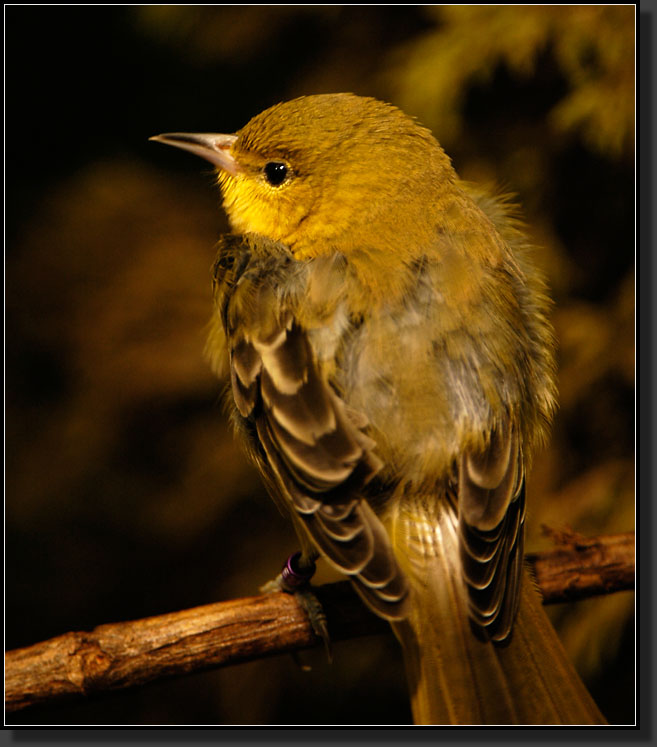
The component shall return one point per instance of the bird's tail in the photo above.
(457, 678)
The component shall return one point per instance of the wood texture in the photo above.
(126, 654)
(581, 567)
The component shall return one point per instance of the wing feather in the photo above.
(312, 447)
(491, 501)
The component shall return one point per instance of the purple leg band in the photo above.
(292, 575)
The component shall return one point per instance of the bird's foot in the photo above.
(295, 579)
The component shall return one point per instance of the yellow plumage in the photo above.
(392, 373)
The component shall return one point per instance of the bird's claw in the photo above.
(295, 579)
(313, 607)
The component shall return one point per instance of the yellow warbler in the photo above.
(392, 372)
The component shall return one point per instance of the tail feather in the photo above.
(457, 677)
(539, 669)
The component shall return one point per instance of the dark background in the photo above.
(125, 494)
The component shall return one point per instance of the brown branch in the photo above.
(581, 567)
(120, 655)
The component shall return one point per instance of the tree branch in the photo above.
(120, 655)
(581, 567)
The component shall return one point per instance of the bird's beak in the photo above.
(213, 147)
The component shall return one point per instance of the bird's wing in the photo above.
(491, 499)
(309, 445)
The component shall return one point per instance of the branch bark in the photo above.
(120, 655)
(581, 567)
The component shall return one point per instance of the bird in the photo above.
(386, 335)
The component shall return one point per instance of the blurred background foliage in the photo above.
(125, 494)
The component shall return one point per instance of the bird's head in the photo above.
(327, 173)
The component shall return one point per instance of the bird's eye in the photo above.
(275, 173)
